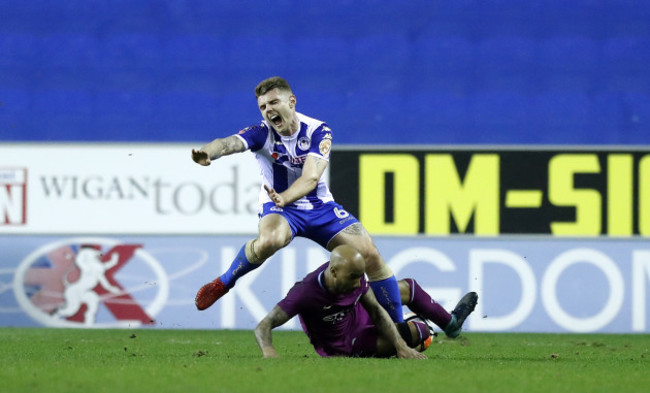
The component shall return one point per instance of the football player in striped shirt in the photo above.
(293, 151)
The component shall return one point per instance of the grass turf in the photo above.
(78, 360)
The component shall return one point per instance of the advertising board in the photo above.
(125, 189)
(524, 284)
(560, 191)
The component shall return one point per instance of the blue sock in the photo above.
(239, 267)
(387, 294)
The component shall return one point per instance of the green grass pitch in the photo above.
(151, 360)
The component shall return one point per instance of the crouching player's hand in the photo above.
(269, 352)
(407, 352)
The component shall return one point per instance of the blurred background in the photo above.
(379, 72)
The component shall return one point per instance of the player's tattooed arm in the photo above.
(277, 317)
(218, 148)
(387, 327)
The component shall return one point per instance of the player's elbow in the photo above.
(311, 181)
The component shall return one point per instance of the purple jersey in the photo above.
(281, 158)
(333, 323)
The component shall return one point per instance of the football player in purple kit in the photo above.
(341, 316)
(293, 152)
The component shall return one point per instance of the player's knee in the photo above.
(377, 269)
(268, 243)
(372, 256)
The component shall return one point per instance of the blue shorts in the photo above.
(320, 224)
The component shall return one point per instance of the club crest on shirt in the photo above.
(304, 143)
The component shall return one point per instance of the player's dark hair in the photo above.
(274, 82)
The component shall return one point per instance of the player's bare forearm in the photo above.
(312, 171)
(380, 317)
(387, 328)
(301, 187)
(263, 335)
(384, 324)
(224, 146)
(218, 148)
(264, 338)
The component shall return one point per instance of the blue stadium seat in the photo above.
(15, 111)
(195, 52)
(474, 70)
(117, 110)
(380, 52)
(625, 64)
(327, 54)
(53, 103)
(119, 79)
(15, 101)
(131, 51)
(441, 63)
(18, 50)
(506, 63)
(373, 118)
(73, 51)
(182, 107)
(567, 63)
(558, 117)
(444, 113)
(252, 52)
(568, 54)
(627, 54)
(498, 117)
(506, 54)
(326, 105)
(606, 114)
(622, 118)
(637, 118)
(183, 116)
(444, 54)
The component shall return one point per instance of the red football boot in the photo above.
(210, 293)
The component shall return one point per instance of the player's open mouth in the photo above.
(277, 120)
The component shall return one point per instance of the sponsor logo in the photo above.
(497, 192)
(13, 196)
(336, 317)
(163, 196)
(91, 282)
(297, 161)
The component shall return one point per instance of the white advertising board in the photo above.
(126, 189)
(524, 284)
